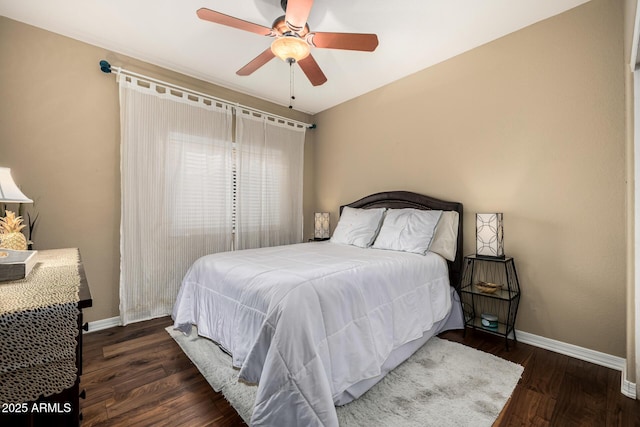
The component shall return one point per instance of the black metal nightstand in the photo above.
(503, 303)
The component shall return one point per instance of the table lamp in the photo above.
(9, 191)
(321, 226)
(489, 235)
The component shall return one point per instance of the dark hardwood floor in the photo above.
(557, 390)
(138, 376)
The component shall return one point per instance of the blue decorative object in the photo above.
(105, 67)
(489, 321)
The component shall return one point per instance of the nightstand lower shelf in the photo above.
(502, 330)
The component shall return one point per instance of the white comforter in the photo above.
(307, 321)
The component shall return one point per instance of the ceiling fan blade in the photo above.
(297, 14)
(312, 70)
(230, 21)
(256, 62)
(347, 41)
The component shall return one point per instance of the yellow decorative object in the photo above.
(10, 232)
(488, 288)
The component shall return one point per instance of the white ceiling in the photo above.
(413, 35)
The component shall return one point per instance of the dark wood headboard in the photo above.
(407, 199)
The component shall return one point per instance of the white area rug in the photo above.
(443, 384)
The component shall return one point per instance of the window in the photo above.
(200, 181)
(200, 174)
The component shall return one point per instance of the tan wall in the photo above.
(532, 125)
(60, 133)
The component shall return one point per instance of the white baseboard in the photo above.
(603, 359)
(99, 325)
(628, 388)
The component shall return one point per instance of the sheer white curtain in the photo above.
(177, 192)
(270, 157)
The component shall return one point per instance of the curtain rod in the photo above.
(107, 68)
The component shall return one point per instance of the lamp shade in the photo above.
(9, 191)
(290, 47)
(489, 235)
(321, 225)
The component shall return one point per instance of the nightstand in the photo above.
(485, 309)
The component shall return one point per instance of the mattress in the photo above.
(312, 323)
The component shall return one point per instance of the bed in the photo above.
(317, 324)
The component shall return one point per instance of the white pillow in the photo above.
(445, 239)
(358, 227)
(407, 230)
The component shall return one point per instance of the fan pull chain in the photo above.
(291, 83)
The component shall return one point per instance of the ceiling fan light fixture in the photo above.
(290, 47)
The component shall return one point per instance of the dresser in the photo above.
(41, 323)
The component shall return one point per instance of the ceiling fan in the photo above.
(293, 39)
